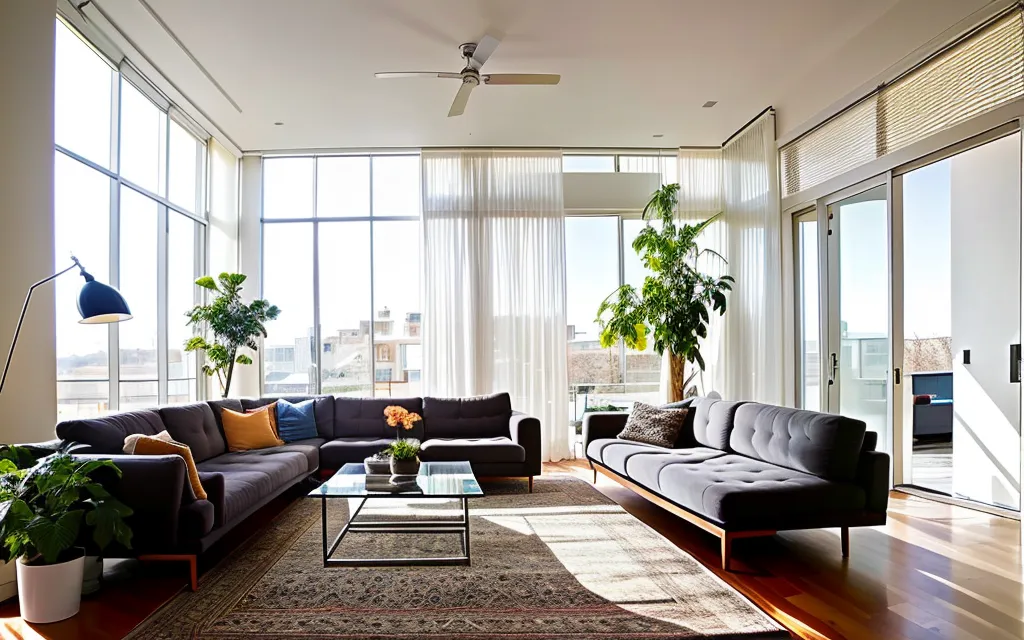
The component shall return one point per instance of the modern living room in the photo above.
(511, 318)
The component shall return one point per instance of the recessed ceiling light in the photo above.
(710, 103)
(278, 124)
(659, 135)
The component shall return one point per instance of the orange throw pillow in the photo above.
(245, 431)
(271, 410)
(150, 446)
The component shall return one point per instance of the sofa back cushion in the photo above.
(713, 422)
(107, 434)
(364, 417)
(476, 417)
(323, 410)
(822, 444)
(195, 425)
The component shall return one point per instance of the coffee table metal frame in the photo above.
(404, 526)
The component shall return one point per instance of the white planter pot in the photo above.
(50, 592)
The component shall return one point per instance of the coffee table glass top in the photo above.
(436, 479)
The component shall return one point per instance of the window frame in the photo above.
(316, 386)
(165, 209)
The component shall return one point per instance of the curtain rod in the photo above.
(767, 109)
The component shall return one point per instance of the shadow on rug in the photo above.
(562, 562)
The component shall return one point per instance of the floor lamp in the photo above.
(98, 303)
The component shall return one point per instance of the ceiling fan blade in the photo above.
(461, 98)
(418, 74)
(484, 49)
(521, 78)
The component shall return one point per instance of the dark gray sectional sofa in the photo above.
(744, 469)
(170, 523)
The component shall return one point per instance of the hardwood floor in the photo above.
(935, 571)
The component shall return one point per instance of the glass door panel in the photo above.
(808, 317)
(961, 308)
(859, 362)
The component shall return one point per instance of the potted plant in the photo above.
(378, 464)
(233, 323)
(674, 302)
(405, 457)
(42, 507)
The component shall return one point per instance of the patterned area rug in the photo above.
(562, 562)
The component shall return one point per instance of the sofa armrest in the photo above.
(873, 477)
(155, 488)
(525, 431)
(598, 425)
(213, 485)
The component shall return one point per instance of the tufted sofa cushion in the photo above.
(195, 425)
(647, 469)
(713, 421)
(364, 418)
(476, 417)
(822, 444)
(734, 490)
(106, 434)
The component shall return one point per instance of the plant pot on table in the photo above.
(408, 467)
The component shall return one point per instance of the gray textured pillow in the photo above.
(653, 425)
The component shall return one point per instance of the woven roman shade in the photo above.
(981, 72)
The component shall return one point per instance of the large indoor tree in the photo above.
(233, 324)
(676, 301)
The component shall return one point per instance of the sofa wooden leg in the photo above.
(844, 536)
(173, 557)
(530, 480)
(726, 550)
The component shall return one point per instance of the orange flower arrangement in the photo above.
(400, 416)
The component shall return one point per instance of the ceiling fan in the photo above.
(476, 54)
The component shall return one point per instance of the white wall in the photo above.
(986, 308)
(28, 403)
(29, 400)
(247, 379)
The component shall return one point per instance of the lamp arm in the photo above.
(24, 309)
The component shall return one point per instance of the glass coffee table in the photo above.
(435, 480)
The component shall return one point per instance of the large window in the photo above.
(341, 258)
(129, 202)
(599, 257)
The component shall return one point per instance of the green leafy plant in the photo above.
(676, 300)
(43, 504)
(233, 324)
(404, 449)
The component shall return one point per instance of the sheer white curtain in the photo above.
(494, 282)
(743, 351)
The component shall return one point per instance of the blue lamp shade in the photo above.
(101, 304)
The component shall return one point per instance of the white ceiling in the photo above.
(630, 69)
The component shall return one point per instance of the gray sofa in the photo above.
(744, 469)
(171, 523)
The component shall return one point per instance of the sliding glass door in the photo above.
(961, 308)
(858, 362)
(808, 317)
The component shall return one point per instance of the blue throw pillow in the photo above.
(295, 421)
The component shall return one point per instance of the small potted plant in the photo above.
(42, 507)
(405, 457)
(401, 418)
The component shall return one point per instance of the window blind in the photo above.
(980, 73)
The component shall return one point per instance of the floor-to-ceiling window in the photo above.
(341, 258)
(599, 258)
(130, 203)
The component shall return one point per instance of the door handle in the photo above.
(1015, 363)
(834, 366)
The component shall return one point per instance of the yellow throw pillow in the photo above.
(245, 431)
(150, 446)
(271, 410)
(130, 440)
